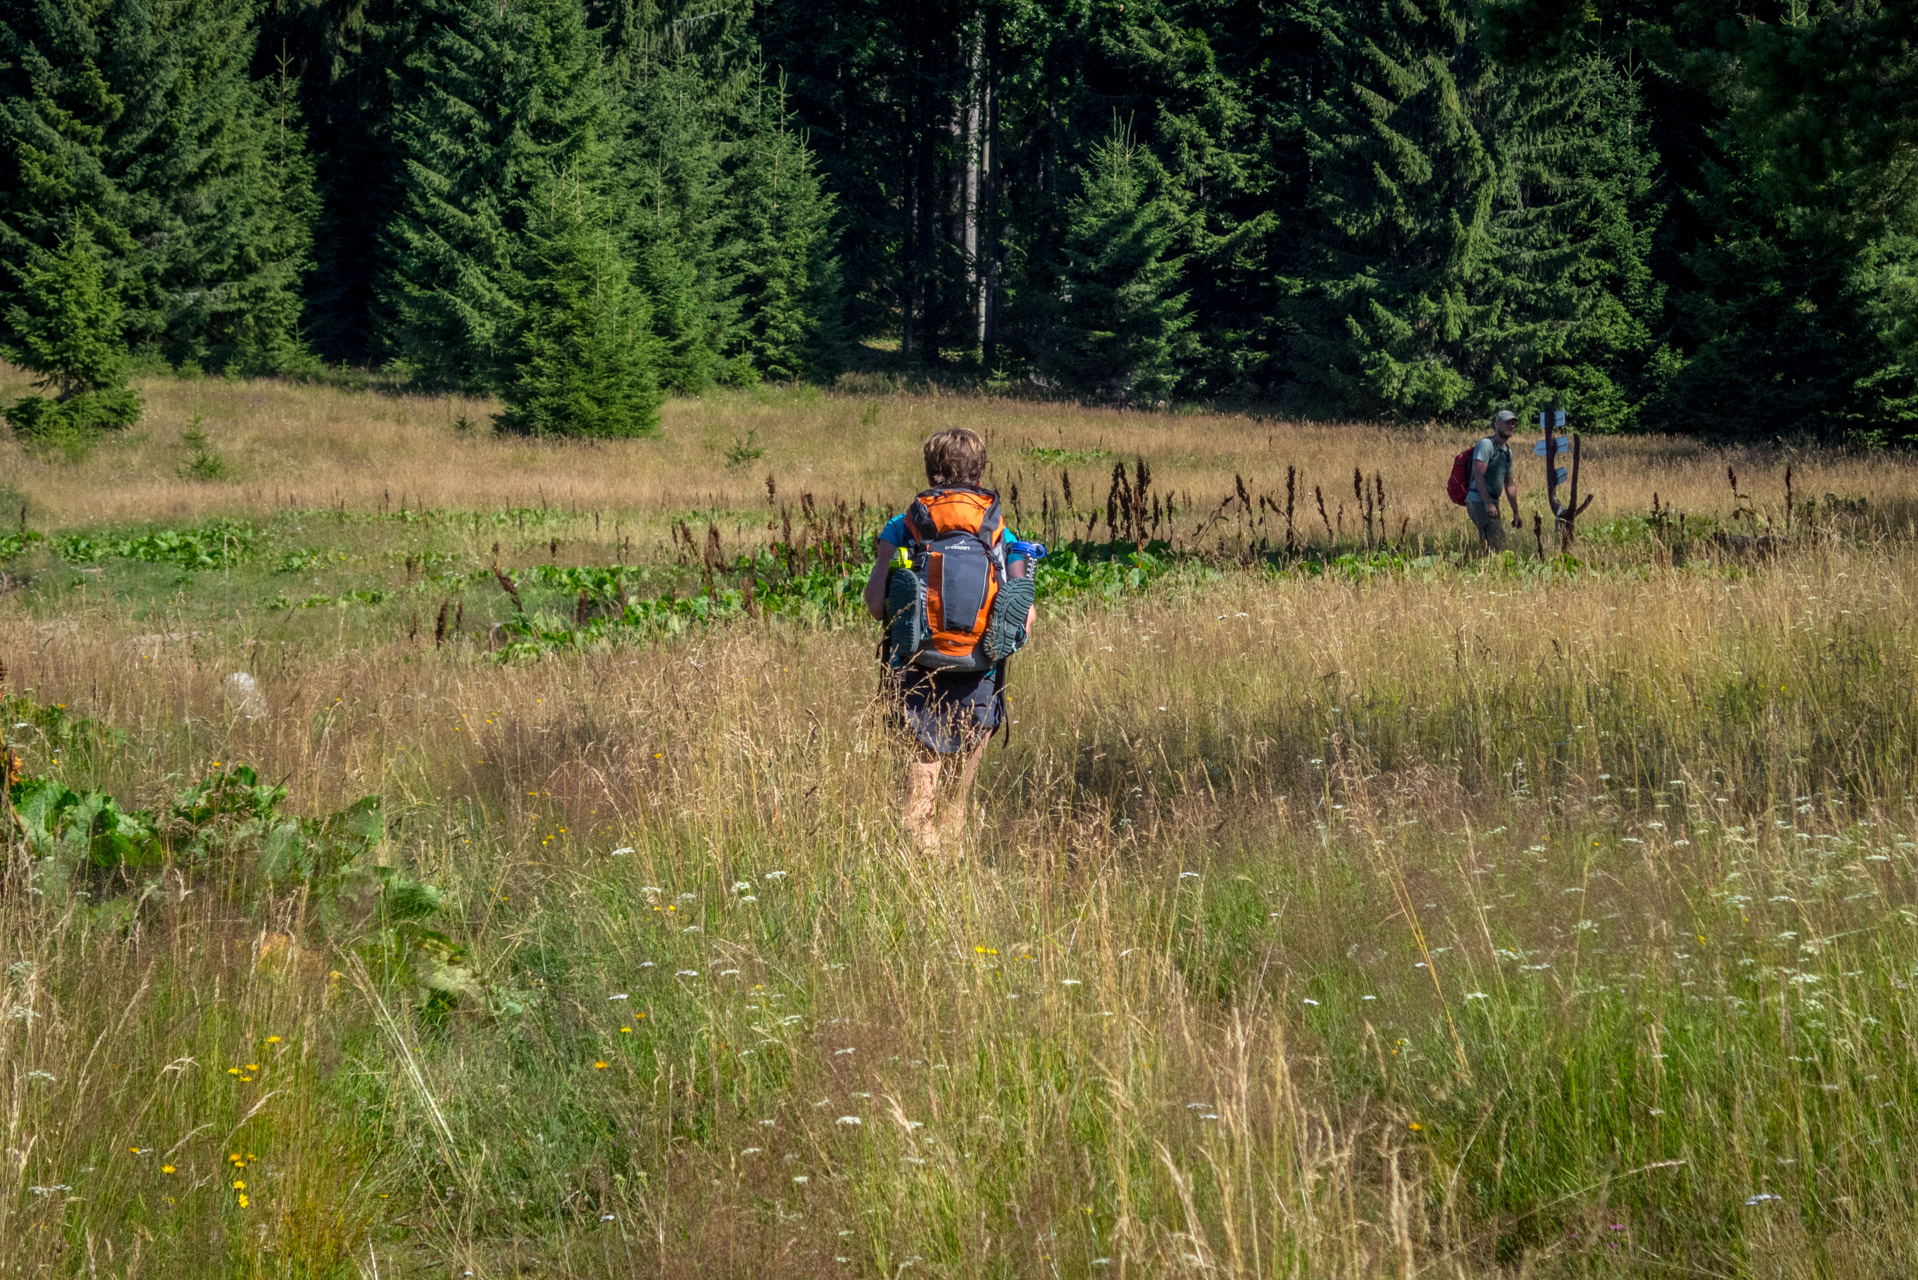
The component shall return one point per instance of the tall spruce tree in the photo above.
(1400, 219)
(445, 294)
(1272, 63)
(139, 118)
(1153, 65)
(1116, 316)
(1782, 135)
(1804, 315)
(779, 220)
(261, 331)
(730, 224)
(499, 102)
(672, 176)
(1567, 281)
(345, 56)
(581, 350)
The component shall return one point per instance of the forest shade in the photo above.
(1694, 217)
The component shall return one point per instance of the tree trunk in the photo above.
(989, 293)
(926, 263)
(977, 107)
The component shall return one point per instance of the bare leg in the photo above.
(922, 785)
(952, 815)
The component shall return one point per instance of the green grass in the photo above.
(1362, 911)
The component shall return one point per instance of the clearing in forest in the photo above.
(436, 852)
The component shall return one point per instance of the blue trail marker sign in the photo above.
(1565, 514)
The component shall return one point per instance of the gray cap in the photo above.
(1504, 415)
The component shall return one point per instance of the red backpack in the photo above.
(1461, 482)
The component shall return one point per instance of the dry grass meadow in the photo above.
(1355, 910)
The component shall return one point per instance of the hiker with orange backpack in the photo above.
(1480, 473)
(955, 589)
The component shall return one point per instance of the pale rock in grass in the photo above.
(243, 696)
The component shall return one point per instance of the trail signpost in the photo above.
(1565, 514)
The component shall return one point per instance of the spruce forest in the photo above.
(1696, 217)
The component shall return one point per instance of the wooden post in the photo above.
(1564, 514)
(1568, 520)
(1549, 420)
(1571, 506)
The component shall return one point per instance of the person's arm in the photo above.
(1485, 494)
(1511, 492)
(875, 595)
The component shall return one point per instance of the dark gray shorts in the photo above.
(947, 711)
(1491, 526)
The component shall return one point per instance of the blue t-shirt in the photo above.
(894, 533)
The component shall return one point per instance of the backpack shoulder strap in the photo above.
(919, 523)
(992, 523)
(923, 528)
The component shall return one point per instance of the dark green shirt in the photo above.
(1498, 470)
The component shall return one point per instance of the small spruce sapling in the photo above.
(205, 464)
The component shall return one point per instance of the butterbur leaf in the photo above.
(228, 820)
(289, 851)
(360, 827)
(75, 827)
(442, 975)
(234, 792)
(37, 804)
(121, 839)
(112, 849)
(403, 899)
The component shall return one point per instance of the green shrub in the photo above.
(73, 424)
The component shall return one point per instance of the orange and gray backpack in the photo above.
(956, 610)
